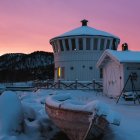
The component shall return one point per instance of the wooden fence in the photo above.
(93, 85)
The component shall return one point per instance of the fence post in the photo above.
(47, 84)
(76, 83)
(93, 84)
(58, 83)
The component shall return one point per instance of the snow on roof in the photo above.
(125, 56)
(86, 30)
(119, 57)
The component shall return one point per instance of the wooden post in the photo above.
(76, 83)
(93, 84)
(59, 83)
(47, 84)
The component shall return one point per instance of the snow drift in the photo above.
(11, 114)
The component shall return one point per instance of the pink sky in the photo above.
(27, 25)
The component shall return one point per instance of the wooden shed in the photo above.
(117, 67)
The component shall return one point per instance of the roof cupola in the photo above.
(84, 22)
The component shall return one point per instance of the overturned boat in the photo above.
(75, 118)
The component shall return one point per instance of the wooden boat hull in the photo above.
(74, 123)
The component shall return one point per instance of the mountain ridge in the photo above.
(30, 66)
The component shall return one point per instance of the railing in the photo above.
(93, 85)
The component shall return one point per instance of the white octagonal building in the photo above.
(76, 53)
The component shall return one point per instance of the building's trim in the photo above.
(83, 36)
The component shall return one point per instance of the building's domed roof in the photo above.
(85, 30)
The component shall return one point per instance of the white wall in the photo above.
(81, 62)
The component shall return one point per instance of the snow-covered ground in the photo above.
(28, 120)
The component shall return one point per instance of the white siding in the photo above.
(78, 60)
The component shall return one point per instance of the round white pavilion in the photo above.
(76, 53)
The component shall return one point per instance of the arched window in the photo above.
(80, 42)
(61, 45)
(67, 44)
(114, 44)
(56, 46)
(108, 44)
(102, 44)
(73, 44)
(87, 43)
(95, 43)
(53, 47)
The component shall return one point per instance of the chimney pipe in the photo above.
(84, 22)
(124, 47)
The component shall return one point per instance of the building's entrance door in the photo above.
(113, 81)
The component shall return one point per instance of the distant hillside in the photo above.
(22, 67)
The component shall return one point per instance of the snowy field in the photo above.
(23, 116)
